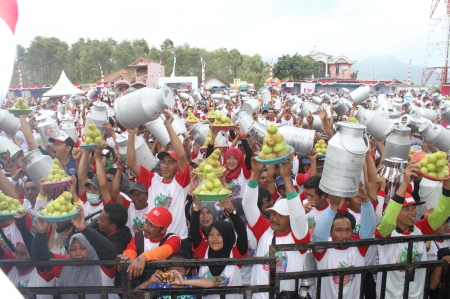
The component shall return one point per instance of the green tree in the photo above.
(296, 67)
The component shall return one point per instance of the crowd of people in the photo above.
(152, 214)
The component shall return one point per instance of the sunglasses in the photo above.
(109, 180)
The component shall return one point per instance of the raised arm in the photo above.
(131, 152)
(29, 138)
(101, 174)
(271, 178)
(372, 183)
(7, 187)
(299, 225)
(83, 171)
(326, 125)
(250, 198)
(389, 221)
(239, 226)
(367, 213)
(247, 148)
(176, 142)
(442, 210)
(115, 187)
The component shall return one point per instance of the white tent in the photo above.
(63, 88)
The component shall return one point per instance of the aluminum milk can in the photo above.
(159, 131)
(377, 125)
(14, 151)
(359, 95)
(199, 132)
(142, 106)
(346, 153)
(37, 165)
(47, 127)
(339, 106)
(302, 140)
(8, 122)
(398, 143)
(392, 170)
(436, 135)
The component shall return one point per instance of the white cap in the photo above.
(281, 207)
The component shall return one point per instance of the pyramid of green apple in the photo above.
(57, 173)
(21, 104)
(212, 185)
(9, 205)
(435, 165)
(93, 134)
(204, 169)
(60, 207)
(273, 144)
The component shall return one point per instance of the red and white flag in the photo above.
(8, 19)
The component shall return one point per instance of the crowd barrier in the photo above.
(127, 292)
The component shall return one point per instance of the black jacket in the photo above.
(121, 239)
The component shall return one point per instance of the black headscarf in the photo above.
(229, 238)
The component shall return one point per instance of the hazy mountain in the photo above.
(387, 68)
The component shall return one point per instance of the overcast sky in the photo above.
(356, 28)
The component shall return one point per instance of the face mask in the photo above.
(93, 198)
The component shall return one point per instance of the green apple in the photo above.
(278, 147)
(267, 149)
(272, 129)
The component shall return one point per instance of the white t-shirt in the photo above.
(337, 258)
(289, 122)
(237, 185)
(32, 279)
(13, 234)
(287, 261)
(313, 217)
(230, 276)
(397, 254)
(435, 246)
(171, 196)
(136, 218)
(246, 270)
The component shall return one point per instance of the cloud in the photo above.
(357, 29)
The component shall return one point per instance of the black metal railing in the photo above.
(409, 266)
(273, 288)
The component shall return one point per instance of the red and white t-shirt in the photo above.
(287, 261)
(136, 217)
(170, 195)
(337, 258)
(396, 254)
(435, 246)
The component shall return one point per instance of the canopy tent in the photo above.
(63, 88)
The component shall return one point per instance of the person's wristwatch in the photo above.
(234, 212)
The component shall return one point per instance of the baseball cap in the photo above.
(409, 200)
(64, 138)
(197, 161)
(281, 207)
(93, 182)
(139, 187)
(159, 216)
(279, 181)
(305, 160)
(161, 155)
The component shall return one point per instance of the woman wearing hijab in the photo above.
(87, 244)
(239, 169)
(222, 242)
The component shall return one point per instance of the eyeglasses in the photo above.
(109, 180)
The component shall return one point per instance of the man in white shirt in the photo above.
(170, 189)
(287, 225)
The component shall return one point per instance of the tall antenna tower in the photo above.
(436, 58)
